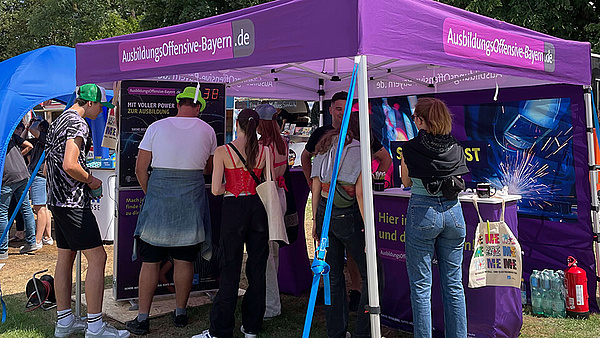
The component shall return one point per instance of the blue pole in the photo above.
(22, 197)
(319, 266)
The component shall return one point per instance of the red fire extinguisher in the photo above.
(577, 294)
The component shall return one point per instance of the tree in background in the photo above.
(566, 19)
(29, 24)
(163, 13)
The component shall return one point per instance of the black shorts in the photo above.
(76, 229)
(154, 254)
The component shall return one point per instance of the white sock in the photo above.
(94, 321)
(65, 317)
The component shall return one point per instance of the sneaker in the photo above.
(47, 241)
(354, 296)
(76, 326)
(248, 335)
(136, 327)
(204, 334)
(31, 248)
(348, 335)
(179, 321)
(4, 255)
(107, 331)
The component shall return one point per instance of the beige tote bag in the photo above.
(496, 257)
(269, 195)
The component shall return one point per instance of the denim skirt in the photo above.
(175, 210)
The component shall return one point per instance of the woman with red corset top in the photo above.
(243, 221)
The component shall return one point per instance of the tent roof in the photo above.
(28, 79)
(280, 49)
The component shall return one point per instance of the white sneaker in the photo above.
(76, 326)
(204, 334)
(47, 241)
(31, 248)
(107, 331)
(248, 335)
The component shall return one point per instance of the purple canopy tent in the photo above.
(403, 47)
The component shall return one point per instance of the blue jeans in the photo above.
(6, 193)
(436, 224)
(345, 235)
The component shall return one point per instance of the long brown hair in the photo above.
(436, 115)
(247, 121)
(269, 134)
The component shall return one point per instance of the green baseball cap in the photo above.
(190, 93)
(93, 92)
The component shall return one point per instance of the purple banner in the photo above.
(214, 42)
(468, 40)
(491, 311)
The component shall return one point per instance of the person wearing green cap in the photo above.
(70, 184)
(174, 220)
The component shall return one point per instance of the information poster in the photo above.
(127, 270)
(144, 102)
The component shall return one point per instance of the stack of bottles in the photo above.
(547, 293)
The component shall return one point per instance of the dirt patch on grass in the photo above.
(20, 268)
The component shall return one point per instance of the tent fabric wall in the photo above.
(27, 80)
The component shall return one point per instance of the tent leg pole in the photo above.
(321, 97)
(78, 284)
(593, 172)
(369, 218)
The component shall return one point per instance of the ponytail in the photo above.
(248, 120)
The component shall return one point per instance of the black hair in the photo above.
(248, 121)
(43, 126)
(81, 102)
(339, 96)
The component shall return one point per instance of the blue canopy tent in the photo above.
(29, 79)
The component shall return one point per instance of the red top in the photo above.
(239, 180)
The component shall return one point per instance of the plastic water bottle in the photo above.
(523, 293)
(536, 296)
(547, 296)
(558, 307)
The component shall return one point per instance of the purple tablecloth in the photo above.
(294, 274)
(491, 311)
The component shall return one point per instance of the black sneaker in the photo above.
(179, 321)
(139, 328)
(354, 296)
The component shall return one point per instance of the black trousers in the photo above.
(244, 221)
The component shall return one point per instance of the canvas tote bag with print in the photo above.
(272, 199)
(496, 257)
(267, 191)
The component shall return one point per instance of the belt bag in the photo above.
(267, 191)
(496, 257)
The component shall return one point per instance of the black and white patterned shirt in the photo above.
(63, 190)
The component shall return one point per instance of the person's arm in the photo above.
(384, 158)
(142, 163)
(316, 197)
(217, 186)
(306, 165)
(404, 174)
(359, 195)
(26, 147)
(72, 167)
(209, 165)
